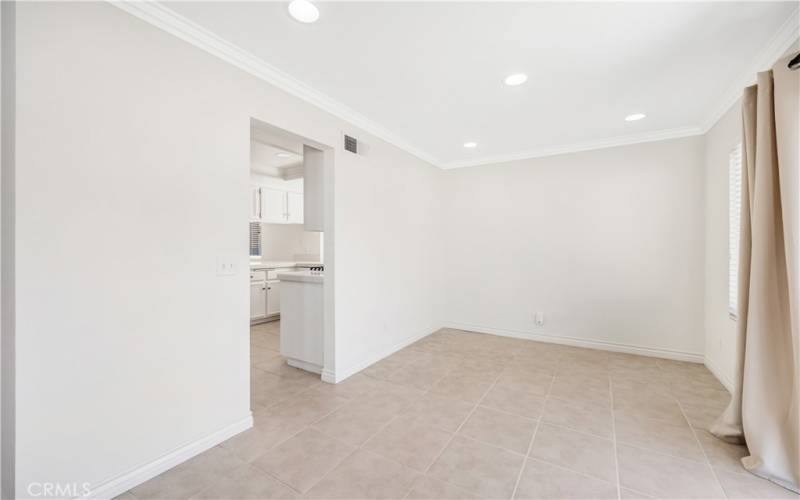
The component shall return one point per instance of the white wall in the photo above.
(133, 155)
(607, 243)
(720, 329)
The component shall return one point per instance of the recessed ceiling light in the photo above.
(516, 79)
(470, 145)
(635, 117)
(303, 11)
(283, 155)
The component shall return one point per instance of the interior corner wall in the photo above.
(720, 329)
(133, 182)
(608, 244)
(7, 250)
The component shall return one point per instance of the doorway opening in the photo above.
(291, 292)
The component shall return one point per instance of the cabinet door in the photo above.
(294, 201)
(273, 205)
(258, 300)
(273, 297)
(255, 203)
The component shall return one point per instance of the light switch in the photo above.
(225, 267)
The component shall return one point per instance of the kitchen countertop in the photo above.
(303, 276)
(275, 264)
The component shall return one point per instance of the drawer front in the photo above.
(259, 275)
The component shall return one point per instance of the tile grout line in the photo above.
(384, 426)
(458, 429)
(533, 437)
(304, 428)
(703, 450)
(614, 434)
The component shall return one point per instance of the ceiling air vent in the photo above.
(350, 144)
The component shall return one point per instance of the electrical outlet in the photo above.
(539, 318)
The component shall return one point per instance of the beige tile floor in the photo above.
(465, 415)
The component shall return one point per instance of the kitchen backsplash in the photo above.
(289, 242)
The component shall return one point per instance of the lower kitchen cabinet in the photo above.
(258, 300)
(265, 294)
(273, 299)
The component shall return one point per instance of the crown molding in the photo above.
(160, 16)
(787, 34)
(626, 140)
(155, 13)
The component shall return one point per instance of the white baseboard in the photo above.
(304, 365)
(340, 374)
(578, 342)
(725, 380)
(137, 476)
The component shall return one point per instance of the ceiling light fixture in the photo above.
(303, 11)
(516, 79)
(635, 117)
(470, 145)
(283, 155)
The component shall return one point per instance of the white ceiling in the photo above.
(428, 76)
(264, 158)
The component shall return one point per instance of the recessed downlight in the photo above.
(283, 155)
(470, 145)
(635, 117)
(303, 11)
(516, 79)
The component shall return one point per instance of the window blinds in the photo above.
(255, 239)
(734, 225)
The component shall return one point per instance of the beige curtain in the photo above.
(763, 412)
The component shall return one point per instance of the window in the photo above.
(255, 239)
(734, 224)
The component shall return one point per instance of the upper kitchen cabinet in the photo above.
(275, 205)
(294, 207)
(255, 203)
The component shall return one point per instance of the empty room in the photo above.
(399, 249)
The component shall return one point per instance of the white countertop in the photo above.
(276, 264)
(303, 276)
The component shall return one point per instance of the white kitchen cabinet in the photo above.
(258, 300)
(294, 208)
(255, 203)
(273, 205)
(273, 297)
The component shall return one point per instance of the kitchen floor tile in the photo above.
(484, 470)
(665, 476)
(501, 429)
(443, 412)
(583, 453)
(580, 416)
(410, 443)
(364, 475)
(304, 459)
(543, 481)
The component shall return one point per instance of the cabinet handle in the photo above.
(259, 203)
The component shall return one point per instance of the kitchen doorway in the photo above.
(291, 264)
